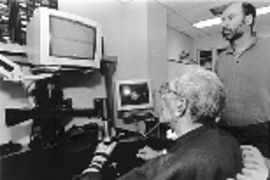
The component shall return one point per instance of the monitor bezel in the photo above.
(120, 107)
(38, 50)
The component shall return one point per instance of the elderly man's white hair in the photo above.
(202, 89)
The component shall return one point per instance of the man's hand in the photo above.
(254, 165)
(147, 153)
(267, 161)
(105, 148)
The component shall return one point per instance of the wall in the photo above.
(157, 45)
(176, 43)
(135, 31)
(124, 29)
(264, 31)
(12, 96)
(209, 42)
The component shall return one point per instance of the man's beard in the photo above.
(230, 34)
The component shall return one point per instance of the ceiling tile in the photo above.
(194, 32)
(196, 15)
(182, 5)
(175, 20)
(201, 12)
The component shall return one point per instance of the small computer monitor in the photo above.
(134, 94)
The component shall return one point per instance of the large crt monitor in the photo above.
(57, 38)
(134, 94)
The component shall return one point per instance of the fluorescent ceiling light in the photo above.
(217, 20)
(208, 22)
(263, 10)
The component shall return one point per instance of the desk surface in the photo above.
(45, 164)
(56, 164)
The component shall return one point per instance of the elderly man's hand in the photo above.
(105, 148)
(254, 165)
(147, 153)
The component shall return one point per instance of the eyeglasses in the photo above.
(165, 89)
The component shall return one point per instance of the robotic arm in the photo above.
(14, 73)
(10, 70)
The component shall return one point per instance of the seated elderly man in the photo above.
(190, 104)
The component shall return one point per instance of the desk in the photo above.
(56, 164)
(44, 164)
(60, 162)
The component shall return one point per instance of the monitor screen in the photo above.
(69, 33)
(134, 94)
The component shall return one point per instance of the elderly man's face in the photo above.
(166, 111)
(233, 22)
(168, 107)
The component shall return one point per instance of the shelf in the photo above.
(12, 49)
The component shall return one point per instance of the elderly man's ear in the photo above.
(181, 107)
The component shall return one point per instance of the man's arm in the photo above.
(92, 172)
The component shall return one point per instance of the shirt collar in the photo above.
(230, 50)
(188, 136)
